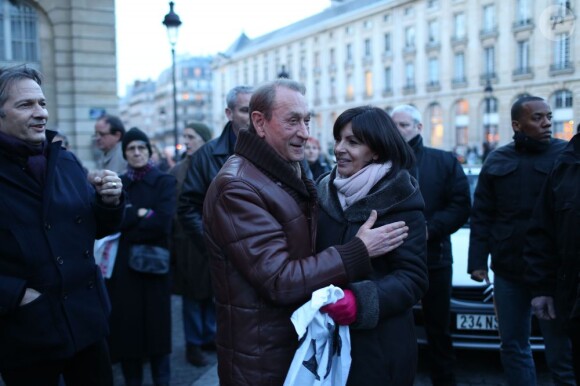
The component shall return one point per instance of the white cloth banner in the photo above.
(105, 252)
(323, 357)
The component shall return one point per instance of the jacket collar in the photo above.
(264, 157)
(225, 142)
(391, 193)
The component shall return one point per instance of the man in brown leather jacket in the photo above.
(259, 220)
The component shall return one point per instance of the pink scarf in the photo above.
(357, 186)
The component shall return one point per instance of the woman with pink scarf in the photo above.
(372, 174)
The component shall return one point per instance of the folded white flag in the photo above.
(323, 356)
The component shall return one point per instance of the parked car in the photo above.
(473, 323)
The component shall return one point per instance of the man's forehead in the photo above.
(537, 107)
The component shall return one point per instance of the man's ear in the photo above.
(229, 113)
(516, 126)
(259, 122)
(118, 136)
(420, 127)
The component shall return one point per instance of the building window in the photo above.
(523, 57)
(349, 30)
(459, 67)
(409, 11)
(368, 24)
(18, 32)
(368, 48)
(435, 121)
(459, 26)
(388, 79)
(561, 51)
(368, 84)
(332, 56)
(349, 52)
(488, 18)
(387, 43)
(490, 121)
(461, 123)
(349, 87)
(409, 75)
(563, 114)
(433, 71)
(410, 37)
(489, 62)
(387, 18)
(433, 31)
(333, 88)
(432, 4)
(523, 12)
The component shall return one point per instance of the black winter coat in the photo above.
(507, 190)
(141, 308)
(204, 165)
(552, 248)
(384, 345)
(445, 190)
(46, 243)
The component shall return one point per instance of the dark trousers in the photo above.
(436, 315)
(160, 370)
(574, 333)
(88, 367)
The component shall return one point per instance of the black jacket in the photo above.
(552, 250)
(383, 338)
(447, 200)
(204, 165)
(509, 183)
(141, 315)
(46, 243)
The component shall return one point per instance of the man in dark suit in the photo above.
(53, 305)
(447, 203)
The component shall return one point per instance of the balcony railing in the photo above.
(561, 68)
(523, 24)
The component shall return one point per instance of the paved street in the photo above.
(473, 369)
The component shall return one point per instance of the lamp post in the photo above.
(172, 23)
(487, 146)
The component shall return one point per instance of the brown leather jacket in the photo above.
(260, 226)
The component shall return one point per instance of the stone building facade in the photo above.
(462, 63)
(72, 42)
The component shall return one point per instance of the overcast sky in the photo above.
(209, 26)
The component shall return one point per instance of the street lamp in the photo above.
(487, 145)
(172, 23)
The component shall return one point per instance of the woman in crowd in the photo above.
(317, 163)
(190, 265)
(371, 174)
(141, 312)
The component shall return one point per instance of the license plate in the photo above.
(476, 322)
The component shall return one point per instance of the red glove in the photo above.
(343, 312)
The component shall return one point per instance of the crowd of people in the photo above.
(248, 225)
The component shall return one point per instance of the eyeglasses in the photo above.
(98, 134)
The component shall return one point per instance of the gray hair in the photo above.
(411, 111)
(232, 96)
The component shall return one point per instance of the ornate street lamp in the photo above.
(487, 144)
(172, 23)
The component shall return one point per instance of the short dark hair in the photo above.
(376, 129)
(263, 98)
(518, 106)
(115, 123)
(10, 75)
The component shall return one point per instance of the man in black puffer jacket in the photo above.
(507, 190)
(447, 203)
(199, 313)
